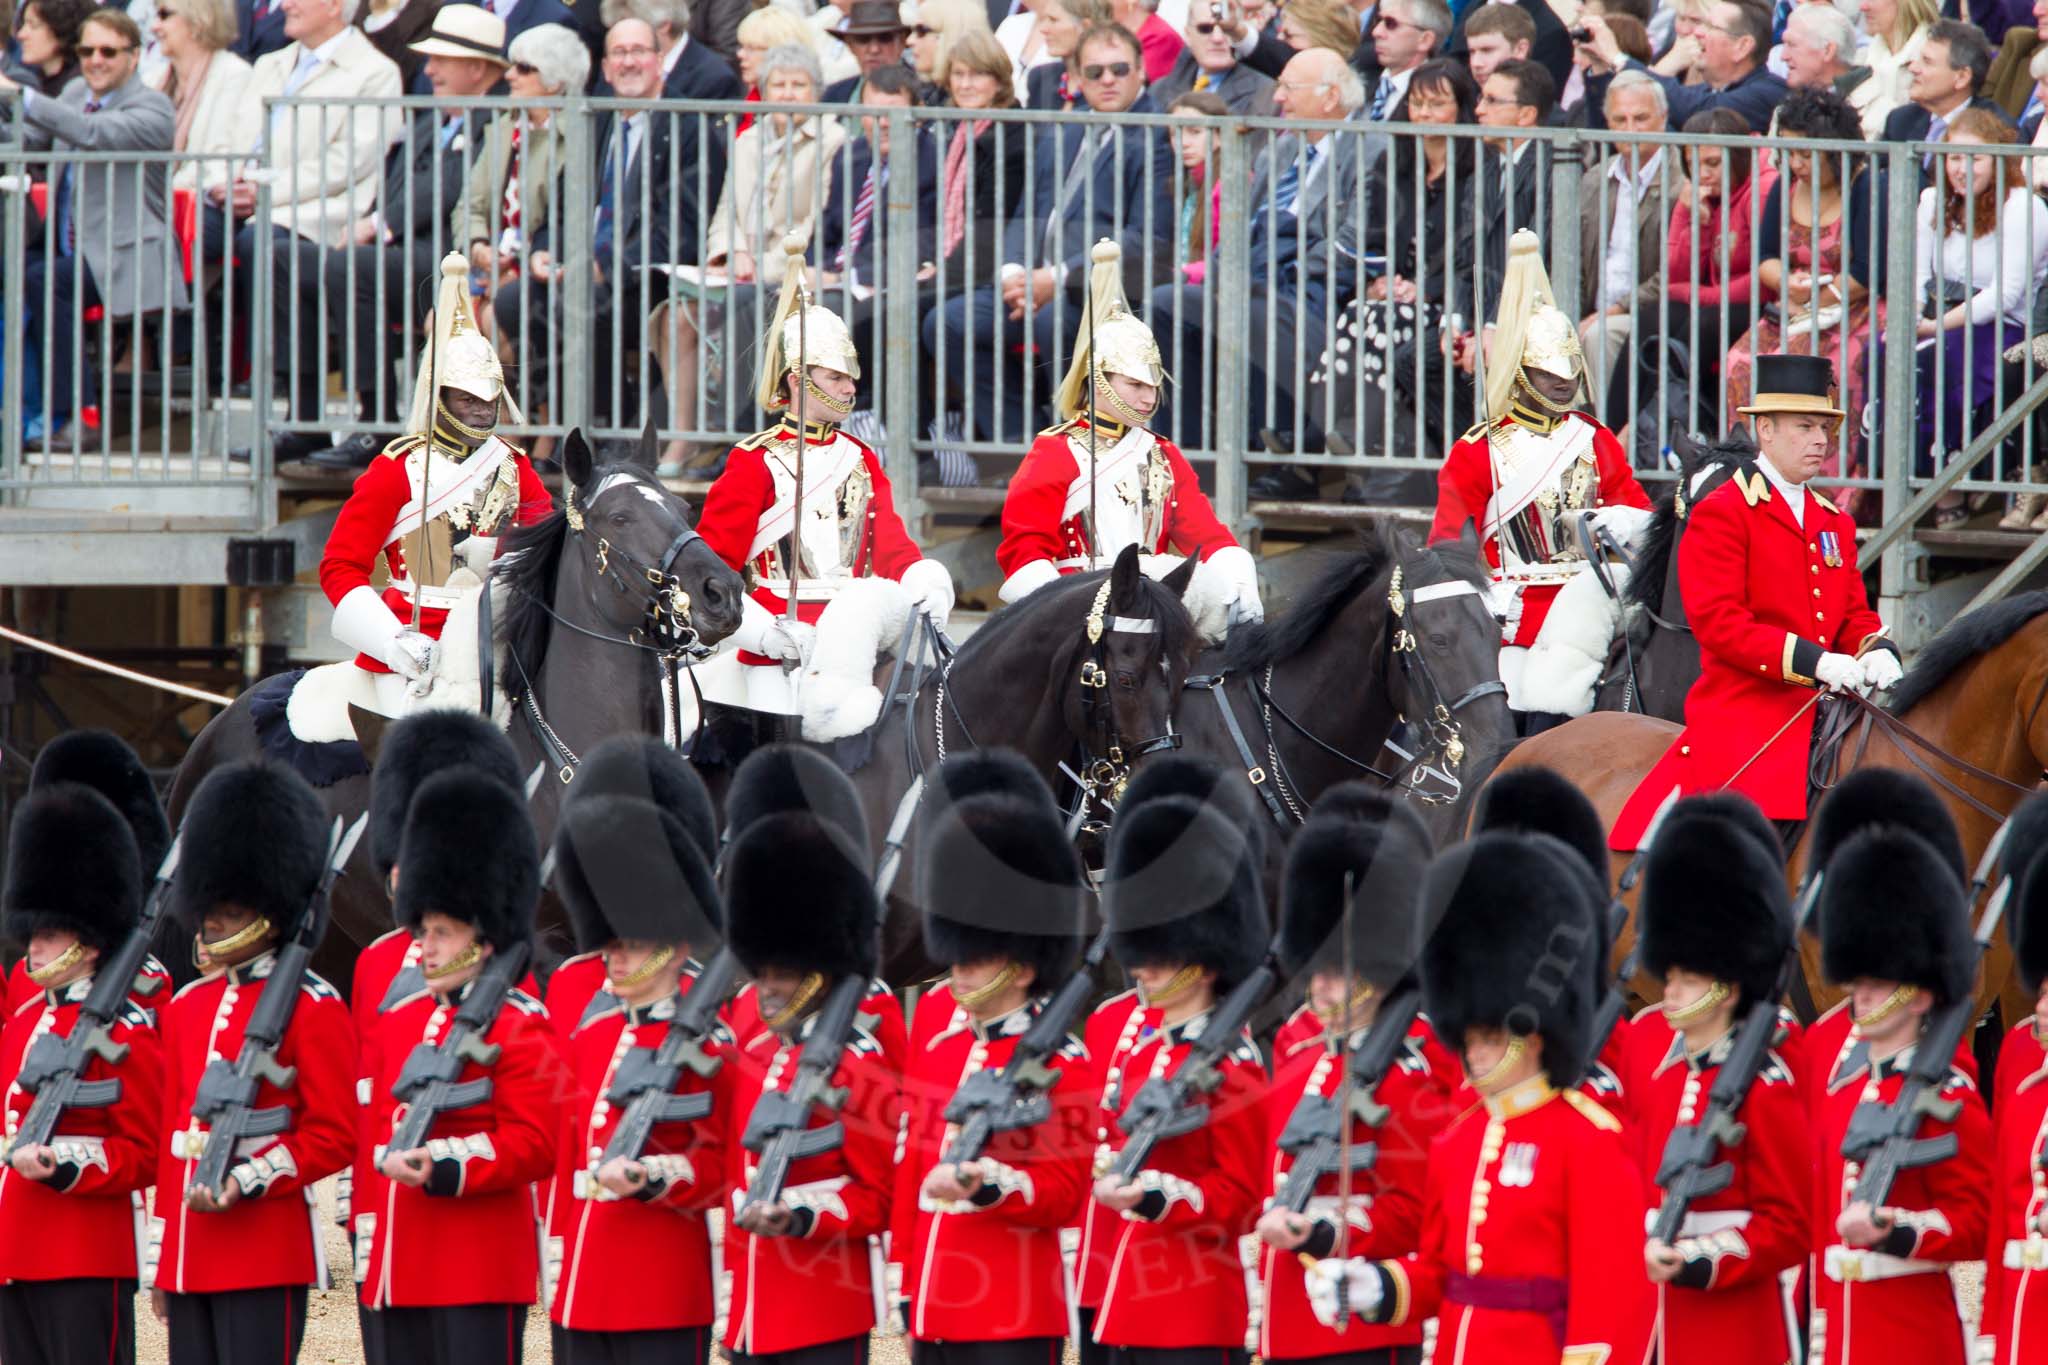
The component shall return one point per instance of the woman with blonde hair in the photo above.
(1897, 30)
(205, 84)
(762, 32)
(1055, 84)
(1320, 23)
(939, 26)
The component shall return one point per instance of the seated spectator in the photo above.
(1405, 34)
(1624, 209)
(1820, 50)
(259, 29)
(1514, 194)
(1894, 31)
(2034, 132)
(1113, 182)
(1494, 33)
(1733, 46)
(1979, 261)
(874, 32)
(1820, 268)
(206, 84)
(1201, 205)
(1633, 40)
(1304, 24)
(393, 26)
(1023, 37)
(1056, 84)
(46, 34)
(689, 69)
(981, 164)
(937, 26)
(1210, 63)
(760, 33)
(1675, 38)
(2012, 81)
(1953, 62)
(1160, 40)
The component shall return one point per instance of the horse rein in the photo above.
(1106, 761)
(1905, 739)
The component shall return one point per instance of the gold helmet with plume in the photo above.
(1530, 333)
(457, 357)
(802, 328)
(1121, 344)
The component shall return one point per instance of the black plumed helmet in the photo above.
(642, 767)
(254, 836)
(629, 869)
(416, 748)
(1892, 909)
(2026, 862)
(101, 760)
(1000, 879)
(1714, 901)
(1884, 796)
(1384, 849)
(788, 778)
(1511, 940)
(470, 852)
(799, 895)
(1183, 889)
(71, 866)
(1535, 800)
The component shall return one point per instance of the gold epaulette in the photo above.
(761, 439)
(1825, 504)
(1592, 1111)
(404, 446)
(1063, 427)
(1756, 489)
(1479, 431)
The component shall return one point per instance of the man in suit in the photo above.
(109, 224)
(1947, 76)
(1820, 50)
(2011, 80)
(1734, 44)
(259, 29)
(384, 277)
(1210, 63)
(1090, 183)
(689, 69)
(874, 32)
(1405, 34)
(1624, 209)
(1488, 34)
(1513, 194)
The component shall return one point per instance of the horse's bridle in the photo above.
(666, 626)
(1106, 760)
(1446, 737)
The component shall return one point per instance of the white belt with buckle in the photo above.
(808, 590)
(2026, 1253)
(440, 599)
(1851, 1265)
(1704, 1224)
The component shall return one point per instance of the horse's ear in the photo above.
(577, 462)
(1182, 575)
(1123, 578)
(370, 727)
(648, 456)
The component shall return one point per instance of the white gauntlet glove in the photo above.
(366, 625)
(1839, 672)
(411, 655)
(1361, 1287)
(776, 637)
(1620, 520)
(930, 586)
(1881, 669)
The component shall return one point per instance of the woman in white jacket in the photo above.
(206, 84)
(1897, 28)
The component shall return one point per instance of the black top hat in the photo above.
(1793, 383)
(871, 17)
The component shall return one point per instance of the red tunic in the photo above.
(152, 987)
(486, 1160)
(571, 987)
(376, 967)
(1035, 527)
(1464, 487)
(1765, 598)
(362, 531)
(87, 1221)
(988, 1272)
(612, 1249)
(832, 1270)
(1109, 1036)
(268, 1237)
(1742, 1237)
(1173, 1277)
(1872, 1306)
(2016, 1254)
(1386, 1217)
(1533, 1190)
(1824, 1057)
(881, 1016)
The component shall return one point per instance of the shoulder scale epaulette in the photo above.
(1592, 1111)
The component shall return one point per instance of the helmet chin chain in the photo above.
(1509, 1060)
(455, 436)
(1893, 1003)
(227, 952)
(989, 990)
(54, 969)
(835, 408)
(813, 984)
(1177, 986)
(1698, 1009)
(462, 961)
(1108, 397)
(640, 975)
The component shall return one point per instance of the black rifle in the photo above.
(427, 1082)
(645, 1081)
(1170, 1106)
(991, 1102)
(54, 1066)
(779, 1129)
(226, 1100)
(1314, 1135)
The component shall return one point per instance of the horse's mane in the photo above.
(1162, 604)
(1962, 640)
(1653, 561)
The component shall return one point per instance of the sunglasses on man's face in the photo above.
(1205, 28)
(106, 54)
(1120, 70)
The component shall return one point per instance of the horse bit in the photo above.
(1107, 769)
(1445, 751)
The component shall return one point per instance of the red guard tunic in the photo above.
(152, 988)
(1895, 1303)
(844, 1194)
(1466, 491)
(1531, 1198)
(571, 988)
(1386, 1210)
(610, 1252)
(1825, 1057)
(1741, 1238)
(377, 966)
(989, 1270)
(268, 1237)
(370, 523)
(1146, 494)
(86, 1223)
(2016, 1257)
(1173, 1277)
(485, 1162)
(881, 1016)
(1766, 594)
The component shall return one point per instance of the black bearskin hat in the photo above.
(1386, 849)
(1884, 796)
(986, 772)
(2026, 862)
(1511, 940)
(100, 760)
(788, 778)
(1537, 800)
(71, 866)
(799, 893)
(1000, 879)
(1183, 888)
(645, 769)
(1714, 900)
(1178, 774)
(630, 869)
(416, 748)
(1746, 814)
(254, 836)
(1893, 909)
(470, 853)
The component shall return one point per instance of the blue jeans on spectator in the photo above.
(975, 334)
(71, 292)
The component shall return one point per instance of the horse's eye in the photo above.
(619, 519)
(1439, 641)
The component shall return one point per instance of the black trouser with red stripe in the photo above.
(64, 1322)
(674, 1346)
(845, 1351)
(237, 1326)
(1023, 1351)
(458, 1334)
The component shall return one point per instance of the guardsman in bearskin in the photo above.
(1894, 929)
(629, 1268)
(842, 526)
(1764, 644)
(469, 879)
(434, 505)
(1518, 1262)
(233, 1265)
(1717, 930)
(1144, 492)
(802, 916)
(71, 1208)
(979, 1242)
(1522, 478)
(1160, 1252)
(1355, 958)
(2015, 1316)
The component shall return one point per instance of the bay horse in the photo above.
(601, 583)
(1976, 693)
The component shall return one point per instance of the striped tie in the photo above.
(857, 229)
